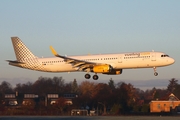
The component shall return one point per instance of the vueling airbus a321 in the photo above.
(109, 64)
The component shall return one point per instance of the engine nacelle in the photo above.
(102, 69)
(114, 72)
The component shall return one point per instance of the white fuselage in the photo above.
(110, 64)
(117, 61)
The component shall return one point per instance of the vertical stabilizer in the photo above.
(21, 51)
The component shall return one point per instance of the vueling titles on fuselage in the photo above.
(110, 64)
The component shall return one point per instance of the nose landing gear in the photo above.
(155, 73)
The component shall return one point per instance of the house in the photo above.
(10, 99)
(69, 97)
(165, 105)
(52, 98)
(28, 99)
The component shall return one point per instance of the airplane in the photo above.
(109, 64)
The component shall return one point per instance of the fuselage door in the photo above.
(120, 59)
(153, 56)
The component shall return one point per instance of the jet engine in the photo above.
(102, 68)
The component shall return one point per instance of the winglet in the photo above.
(53, 51)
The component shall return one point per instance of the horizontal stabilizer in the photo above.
(16, 62)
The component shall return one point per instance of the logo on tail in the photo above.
(21, 51)
(25, 57)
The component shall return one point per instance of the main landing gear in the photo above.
(155, 73)
(95, 77)
(88, 76)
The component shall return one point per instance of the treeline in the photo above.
(108, 98)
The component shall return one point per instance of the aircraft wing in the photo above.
(80, 64)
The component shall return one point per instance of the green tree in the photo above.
(5, 87)
(23, 88)
(102, 95)
(58, 83)
(60, 104)
(172, 85)
(74, 86)
(176, 91)
(145, 108)
(126, 97)
(111, 84)
(48, 85)
(86, 90)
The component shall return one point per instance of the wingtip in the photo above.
(53, 51)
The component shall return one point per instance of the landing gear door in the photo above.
(120, 59)
(153, 56)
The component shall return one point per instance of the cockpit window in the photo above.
(164, 55)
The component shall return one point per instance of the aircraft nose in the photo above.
(171, 61)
